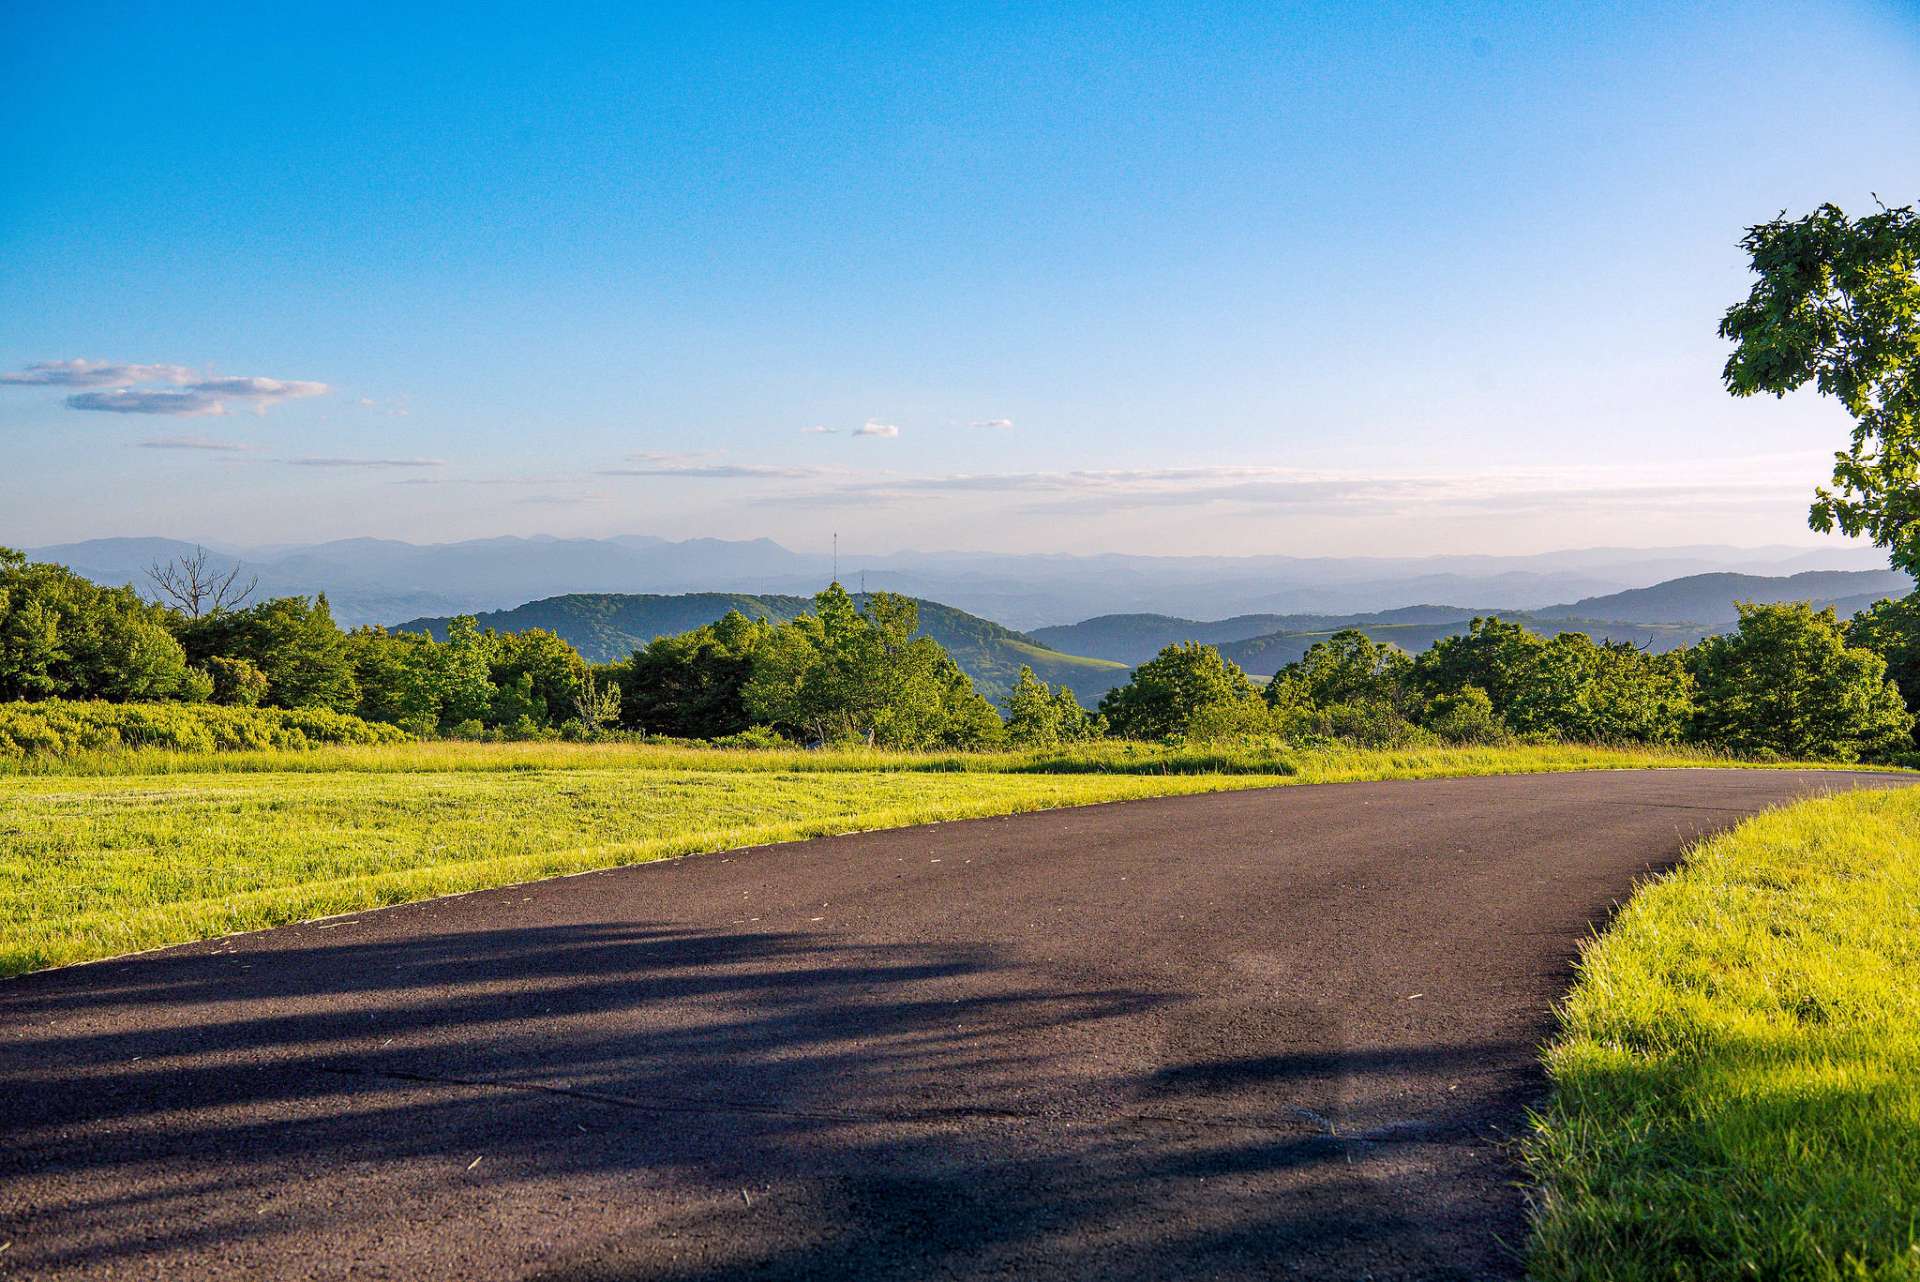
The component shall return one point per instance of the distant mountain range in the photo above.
(608, 626)
(384, 581)
(1661, 617)
(609, 596)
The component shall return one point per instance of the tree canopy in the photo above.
(1837, 304)
(1185, 683)
(1787, 682)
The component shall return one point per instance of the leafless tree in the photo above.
(198, 588)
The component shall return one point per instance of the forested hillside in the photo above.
(609, 626)
(1709, 598)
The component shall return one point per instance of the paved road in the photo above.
(1261, 1034)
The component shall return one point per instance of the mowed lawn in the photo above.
(110, 856)
(100, 866)
(1738, 1076)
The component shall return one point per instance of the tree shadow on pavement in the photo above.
(634, 1101)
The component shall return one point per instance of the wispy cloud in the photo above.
(718, 471)
(818, 429)
(83, 373)
(996, 424)
(367, 462)
(1257, 488)
(181, 404)
(873, 427)
(171, 390)
(195, 443)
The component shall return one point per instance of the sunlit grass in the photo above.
(1738, 1076)
(106, 855)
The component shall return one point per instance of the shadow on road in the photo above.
(634, 1101)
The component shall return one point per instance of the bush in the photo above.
(752, 737)
(58, 727)
(1465, 716)
(237, 683)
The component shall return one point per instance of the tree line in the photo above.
(1788, 681)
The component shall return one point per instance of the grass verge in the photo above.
(1737, 1079)
(113, 854)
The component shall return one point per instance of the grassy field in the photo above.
(1737, 1084)
(112, 854)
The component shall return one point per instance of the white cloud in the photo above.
(873, 427)
(257, 392)
(997, 424)
(158, 389)
(818, 429)
(83, 373)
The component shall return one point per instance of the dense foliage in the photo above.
(61, 727)
(1891, 629)
(863, 669)
(1837, 304)
(1186, 686)
(845, 672)
(1788, 683)
(1041, 717)
(61, 636)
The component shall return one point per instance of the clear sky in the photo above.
(1183, 277)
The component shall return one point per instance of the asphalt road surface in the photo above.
(1283, 1033)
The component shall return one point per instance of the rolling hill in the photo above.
(1264, 656)
(1661, 617)
(1135, 638)
(1709, 598)
(605, 626)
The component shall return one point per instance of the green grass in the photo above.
(1737, 1081)
(110, 854)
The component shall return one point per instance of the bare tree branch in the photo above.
(196, 588)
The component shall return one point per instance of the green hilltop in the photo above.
(605, 626)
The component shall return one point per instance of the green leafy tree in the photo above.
(537, 674)
(1041, 717)
(1891, 629)
(1837, 304)
(466, 662)
(596, 703)
(238, 683)
(63, 636)
(844, 673)
(1493, 655)
(1787, 682)
(692, 685)
(1349, 667)
(399, 676)
(1568, 686)
(1183, 684)
(1033, 718)
(293, 640)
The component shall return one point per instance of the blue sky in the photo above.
(1190, 278)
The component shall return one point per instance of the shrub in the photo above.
(237, 683)
(1465, 716)
(59, 727)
